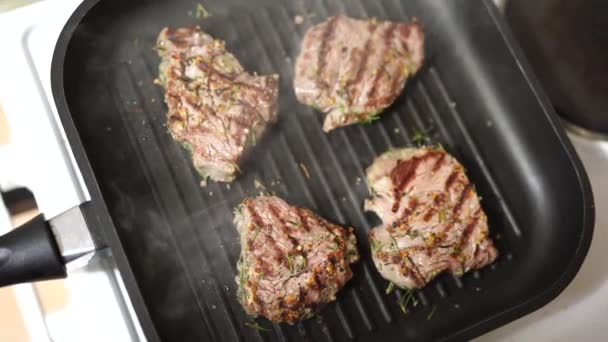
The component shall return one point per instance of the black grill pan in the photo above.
(174, 241)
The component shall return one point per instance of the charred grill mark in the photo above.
(404, 31)
(439, 162)
(180, 33)
(458, 206)
(448, 227)
(363, 64)
(476, 252)
(283, 224)
(451, 179)
(427, 216)
(404, 173)
(255, 218)
(330, 227)
(212, 71)
(466, 233)
(418, 278)
(477, 212)
(326, 38)
(303, 219)
(412, 206)
(258, 222)
(180, 42)
(433, 209)
(270, 240)
(463, 196)
(388, 36)
(401, 175)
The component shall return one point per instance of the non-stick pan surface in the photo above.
(174, 240)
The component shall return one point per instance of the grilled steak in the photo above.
(292, 261)
(217, 111)
(353, 69)
(432, 218)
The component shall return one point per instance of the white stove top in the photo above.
(39, 158)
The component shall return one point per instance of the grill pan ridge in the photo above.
(174, 241)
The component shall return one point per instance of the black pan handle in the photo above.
(30, 253)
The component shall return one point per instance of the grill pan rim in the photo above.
(100, 220)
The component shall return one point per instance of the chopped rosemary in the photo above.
(420, 137)
(295, 268)
(394, 242)
(236, 167)
(372, 117)
(376, 245)
(292, 222)
(256, 326)
(413, 233)
(290, 263)
(201, 12)
(186, 146)
(304, 170)
(242, 268)
(430, 315)
(438, 146)
(402, 303)
(258, 184)
(255, 235)
(390, 287)
(203, 173)
(302, 264)
(405, 299)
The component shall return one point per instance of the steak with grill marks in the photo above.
(353, 69)
(217, 110)
(432, 219)
(292, 261)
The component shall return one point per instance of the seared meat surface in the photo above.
(431, 217)
(217, 110)
(353, 69)
(292, 261)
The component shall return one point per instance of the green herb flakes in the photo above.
(405, 299)
(255, 235)
(256, 326)
(375, 245)
(201, 12)
(421, 137)
(390, 287)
